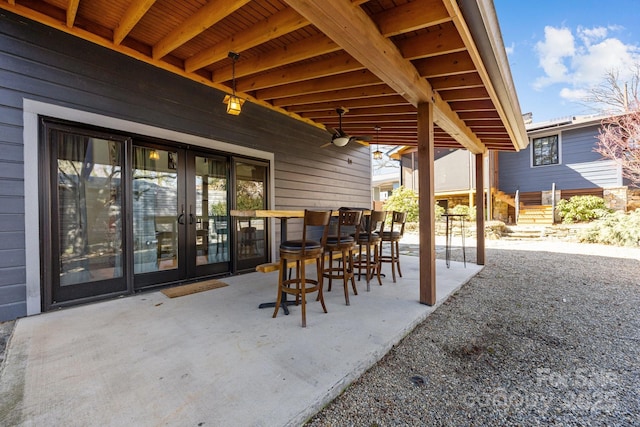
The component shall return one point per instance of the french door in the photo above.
(123, 214)
(180, 215)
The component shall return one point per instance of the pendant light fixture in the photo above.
(377, 155)
(234, 104)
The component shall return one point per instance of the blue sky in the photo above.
(558, 49)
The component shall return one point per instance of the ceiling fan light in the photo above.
(341, 141)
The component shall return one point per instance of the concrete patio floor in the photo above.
(211, 358)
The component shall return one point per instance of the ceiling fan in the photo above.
(339, 137)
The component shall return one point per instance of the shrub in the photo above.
(618, 229)
(464, 210)
(581, 208)
(404, 200)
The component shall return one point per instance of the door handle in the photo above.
(181, 216)
(191, 214)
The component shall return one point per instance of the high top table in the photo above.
(449, 233)
(284, 215)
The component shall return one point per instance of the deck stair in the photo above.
(536, 215)
(500, 196)
(518, 232)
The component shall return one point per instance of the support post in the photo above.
(426, 200)
(480, 209)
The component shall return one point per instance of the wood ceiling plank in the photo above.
(351, 79)
(351, 103)
(133, 14)
(411, 16)
(336, 95)
(274, 26)
(458, 81)
(206, 16)
(440, 41)
(308, 48)
(477, 115)
(466, 94)
(363, 112)
(338, 64)
(477, 105)
(445, 65)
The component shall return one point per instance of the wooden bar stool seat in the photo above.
(368, 241)
(344, 241)
(393, 235)
(310, 247)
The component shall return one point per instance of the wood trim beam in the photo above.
(274, 26)
(426, 202)
(72, 10)
(133, 14)
(205, 17)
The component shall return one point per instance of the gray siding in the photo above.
(580, 166)
(45, 65)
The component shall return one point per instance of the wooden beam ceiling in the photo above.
(305, 58)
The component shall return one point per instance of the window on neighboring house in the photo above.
(545, 150)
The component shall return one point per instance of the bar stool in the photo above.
(300, 251)
(344, 241)
(393, 236)
(368, 239)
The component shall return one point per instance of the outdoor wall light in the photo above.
(234, 104)
(154, 155)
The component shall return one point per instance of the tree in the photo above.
(619, 136)
(619, 140)
(617, 94)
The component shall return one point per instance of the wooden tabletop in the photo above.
(275, 213)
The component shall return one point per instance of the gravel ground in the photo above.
(547, 334)
(537, 338)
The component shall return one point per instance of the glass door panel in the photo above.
(86, 218)
(210, 235)
(250, 194)
(158, 215)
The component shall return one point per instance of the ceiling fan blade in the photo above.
(325, 145)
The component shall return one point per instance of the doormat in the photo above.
(193, 288)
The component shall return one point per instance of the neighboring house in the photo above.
(455, 170)
(560, 155)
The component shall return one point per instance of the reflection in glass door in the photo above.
(251, 233)
(85, 227)
(209, 235)
(158, 215)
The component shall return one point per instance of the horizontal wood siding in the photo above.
(45, 65)
(580, 166)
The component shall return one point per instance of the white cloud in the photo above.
(591, 35)
(510, 49)
(558, 45)
(581, 61)
(574, 95)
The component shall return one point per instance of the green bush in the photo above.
(581, 209)
(464, 210)
(404, 200)
(618, 229)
